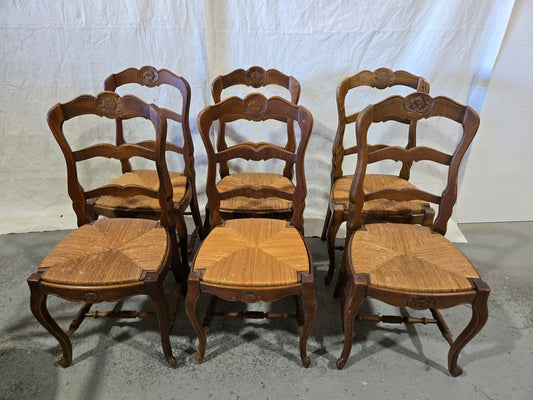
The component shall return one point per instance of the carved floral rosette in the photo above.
(382, 78)
(422, 302)
(256, 77)
(148, 76)
(418, 104)
(91, 297)
(249, 296)
(254, 105)
(109, 104)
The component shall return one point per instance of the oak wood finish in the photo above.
(412, 212)
(184, 183)
(406, 265)
(255, 77)
(110, 259)
(254, 259)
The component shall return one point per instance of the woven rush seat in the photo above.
(107, 252)
(253, 252)
(411, 258)
(256, 179)
(373, 182)
(145, 178)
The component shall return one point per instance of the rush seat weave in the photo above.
(410, 258)
(257, 179)
(341, 190)
(253, 252)
(145, 178)
(107, 252)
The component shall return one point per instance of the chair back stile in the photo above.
(406, 265)
(381, 78)
(256, 107)
(255, 77)
(150, 77)
(111, 259)
(411, 108)
(110, 105)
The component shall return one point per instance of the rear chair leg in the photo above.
(334, 225)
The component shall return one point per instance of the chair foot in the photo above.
(341, 362)
(172, 362)
(306, 362)
(327, 280)
(456, 370)
(63, 362)
(199, 358)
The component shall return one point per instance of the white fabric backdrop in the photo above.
(54, 51)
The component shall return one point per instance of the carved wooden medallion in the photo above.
(382, 77)
(422, 302)
(255, 105)
(109, 104)
(256, 77)
(148, 76)
(418, 104)
(91, 297)
(249, 296)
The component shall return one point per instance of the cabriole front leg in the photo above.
(191, 300)
(40, 311)
(309, 300)
(478, 320)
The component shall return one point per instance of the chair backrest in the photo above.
(149, 76)
(406, 109)
(256, 77)
(112, 106)
(381, 78)
(256, 107)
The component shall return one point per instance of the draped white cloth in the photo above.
(55, 50)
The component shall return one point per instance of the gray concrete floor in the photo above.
(122, 359)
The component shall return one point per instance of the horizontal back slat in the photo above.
(415, 154)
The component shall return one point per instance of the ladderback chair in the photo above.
(184, 183)
(413, 212)
(254, 259)
(408, 265)
(255, 77)
(109, 259)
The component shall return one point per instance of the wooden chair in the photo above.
(109, 259)
(183, 183)
(410, 265)
(239, 207)
(412, 212)
(254, 259)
